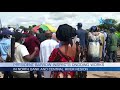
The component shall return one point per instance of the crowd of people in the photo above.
(66, 45)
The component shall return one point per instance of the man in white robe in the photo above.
(46, 47)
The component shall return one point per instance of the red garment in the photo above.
(25, 33)
(31, 42)
(56, 56)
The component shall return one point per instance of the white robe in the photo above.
(94, 47)
(46, 47)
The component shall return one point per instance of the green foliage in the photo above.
(118, 27)
(33, 26)
(107, 25)
(21, 27)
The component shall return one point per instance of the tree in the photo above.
(34, 25)
(30, 27)
(21, 27)
(118, 27)
(108, 23)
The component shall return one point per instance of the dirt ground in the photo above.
(103, 75)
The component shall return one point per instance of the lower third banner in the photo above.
(59, 68)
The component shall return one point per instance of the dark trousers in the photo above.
(107, 55)
(83, 57)
(81, 74)
(113, 56)
(38, 72)
(83, 54)
(7, 74)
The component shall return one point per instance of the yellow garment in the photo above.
(101, 35)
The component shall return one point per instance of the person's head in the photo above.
(98, 29)
(9, 27)
(48, 34)
(93, 29)
(79, 25)
(65, 33)
(31, 32)
(54, 36)
(105, 30)
(41, 30)
(18, 37)
(6, 33)
(17, 30)
(112, 30)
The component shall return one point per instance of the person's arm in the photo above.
(9, 59)
(40, 54)
(1, 60)
(32, 56)
(86, 39)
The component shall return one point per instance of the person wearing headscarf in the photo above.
(94, 45)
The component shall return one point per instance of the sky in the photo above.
(88, 19)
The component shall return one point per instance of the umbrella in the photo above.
(44, 27)
(35, 29)
(51, 28)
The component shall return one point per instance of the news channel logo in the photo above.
(105, 21)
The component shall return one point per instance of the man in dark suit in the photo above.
(82, 35)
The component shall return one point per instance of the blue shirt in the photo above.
(5, 44)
